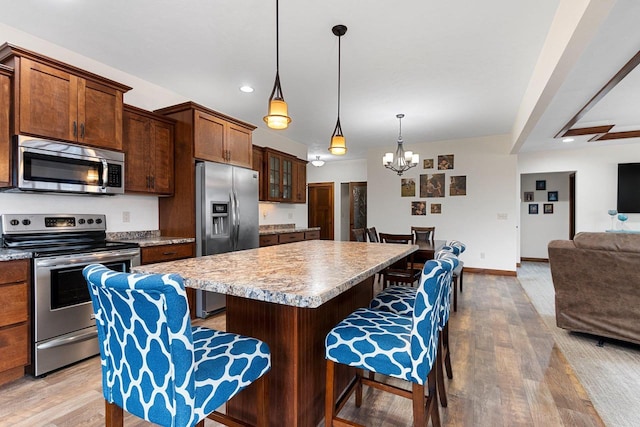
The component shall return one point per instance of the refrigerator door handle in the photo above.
(232, 220)
(237, 220)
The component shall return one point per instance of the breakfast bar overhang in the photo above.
(289, 296)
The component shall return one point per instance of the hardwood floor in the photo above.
(507, 372)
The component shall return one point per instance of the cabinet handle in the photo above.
(147, 186)
(153, 182)
(75, 129)
(169, 253)
(82, 130)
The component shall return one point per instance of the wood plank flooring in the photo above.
(507, 372)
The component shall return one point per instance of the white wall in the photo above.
(338, 172)
(143, 209)
(596, 179)
(485, 219)
(537, 230)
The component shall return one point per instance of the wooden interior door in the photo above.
(357, 206)
(320, 209)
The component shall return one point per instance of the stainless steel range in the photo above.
(63, 326)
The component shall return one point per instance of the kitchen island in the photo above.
(289, 296)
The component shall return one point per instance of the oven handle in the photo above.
(97, 257)
(58, 342)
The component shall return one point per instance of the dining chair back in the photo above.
(403, 271)
(394, 345)
(424, 234)
(158, 367)
(359, 234)
(373, 235)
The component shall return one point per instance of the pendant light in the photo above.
(278, 117)
(404, 160)
(338, 145)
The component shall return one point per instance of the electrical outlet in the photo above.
(126, 216)
(481, 255)
(503, 216)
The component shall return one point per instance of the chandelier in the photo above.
(404, 160)
(317, 162)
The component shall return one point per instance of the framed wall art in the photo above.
(418, 208)
(548, 208)
(436, 208)
(533, 208)
(408, 187)
(445, 162)
(528, 196)
(458, 185)
(541, 184)
(427, 164)
(552, 196)
(432, 185)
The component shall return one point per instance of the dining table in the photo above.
(427, 249)
(289, 296)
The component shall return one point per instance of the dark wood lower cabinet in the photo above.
(296, 338)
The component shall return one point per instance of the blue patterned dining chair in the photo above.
(394, 345)
(457, 247)
(158, 367)
(401, 299)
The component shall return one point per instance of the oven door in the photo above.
(64, 328)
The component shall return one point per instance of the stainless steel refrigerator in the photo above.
(226, 218)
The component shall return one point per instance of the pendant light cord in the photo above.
(277, 39)
(339, 60)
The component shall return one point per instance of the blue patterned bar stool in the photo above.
(400, 300)
(158, 367)
(457, 247)
(391, 344)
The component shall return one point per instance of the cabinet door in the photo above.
(161, 168)
(300, 182)
(99, 115)
(5, 139)
(48, 101)
(238, 146)
(209, 137)
(136, 152)
(274, 171)
(287, 179)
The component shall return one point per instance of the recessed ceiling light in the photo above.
(568, 140)
(246, 89)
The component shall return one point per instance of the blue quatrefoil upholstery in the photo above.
(391, 344)
(155, 365)
(401, 299)
(458, 247)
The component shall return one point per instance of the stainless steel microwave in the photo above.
(61, 167)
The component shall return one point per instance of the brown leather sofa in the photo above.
(596, 277)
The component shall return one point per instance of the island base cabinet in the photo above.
(296, 382)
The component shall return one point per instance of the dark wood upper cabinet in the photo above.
(218, 138)
(5, 135)
(258, 165)
(283, 177)
(59, 101)
(148, 147)
(200, 134)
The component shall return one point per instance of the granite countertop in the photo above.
(280, 230)
(302, 274)
(147, 238)
(13, 254)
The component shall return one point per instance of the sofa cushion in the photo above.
(619, 242)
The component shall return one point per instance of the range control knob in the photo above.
(26, 221)
(81, 221)
(14, 222)
(98, 221)
(89, 221)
